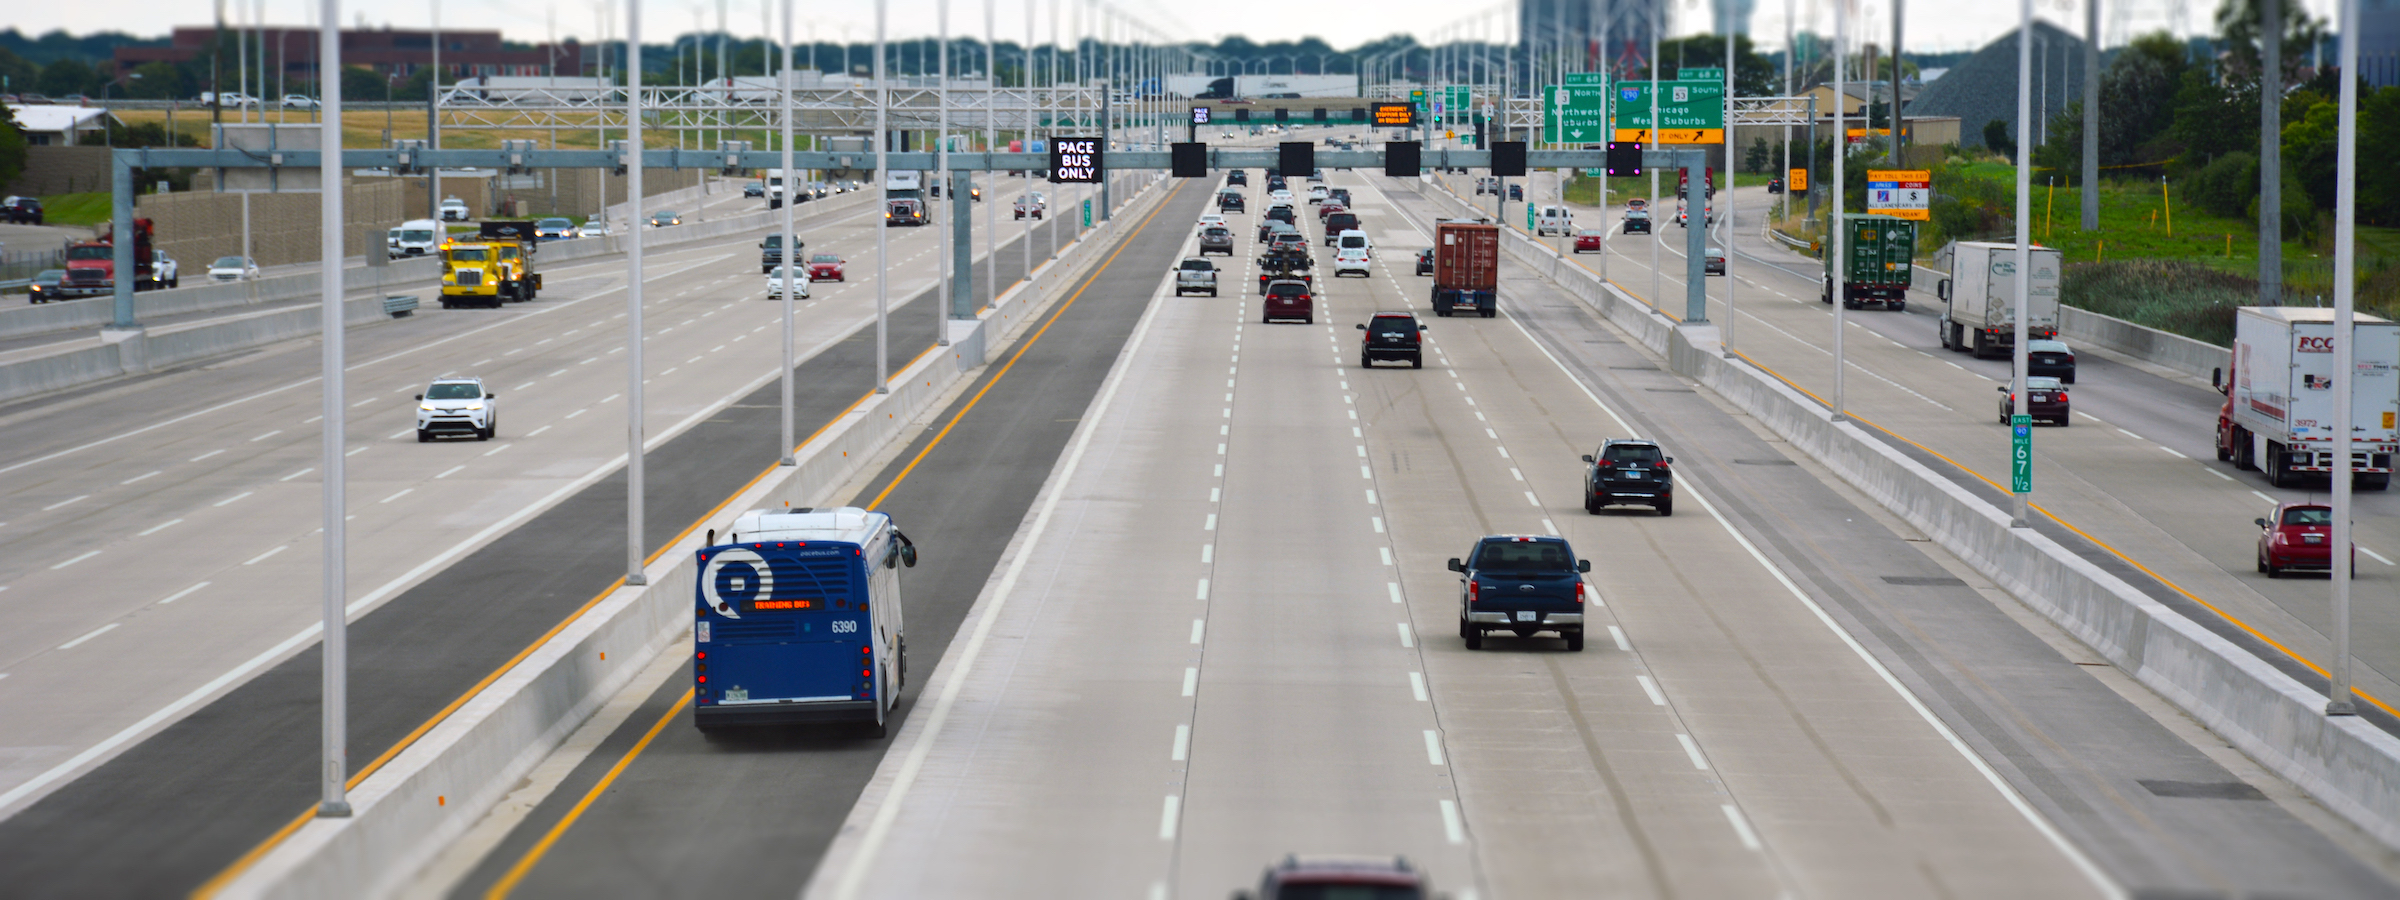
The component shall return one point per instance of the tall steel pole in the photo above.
(1899, 140)
(2024, 280)
(1608, 85)
(1657, 19)
(633, 295)
(991, 144)
(433, 118)
(1027, 273)
(2345, 352)
(791, 247)
(883, 231)
(2091, 115)
(1731, 64)
(1837, 287)
(333, 799)
(2270, 151)
(947, 179)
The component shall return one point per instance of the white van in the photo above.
(417, 237)
(1554, 220)
(1354, 239)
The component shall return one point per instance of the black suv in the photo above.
(770, 251)
(1521, 583)
(1392, 336)
(1231, 201)
(1632, 472)
(1425, 261)
(1239, 177)
(1317, 877)
(24, 211)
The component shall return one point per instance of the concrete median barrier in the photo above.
(440, 786)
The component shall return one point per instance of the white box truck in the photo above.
(1980, 296)
(2278, 412)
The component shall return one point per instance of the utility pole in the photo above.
(2091, 115)
(1899, 141)
(433, 125)
(2270, 152)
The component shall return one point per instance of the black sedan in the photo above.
(1239, 177)
(1637, 222)
(2052, 358)
(753, 190)
(2045, 399)
(664, 218)
(1425, 261)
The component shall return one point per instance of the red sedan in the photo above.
(1329, 206)
(2299, 536)
(825, 267)
(1588, 239)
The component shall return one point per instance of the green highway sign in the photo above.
(1528, 217)
(2020, 454)
(1692, 112)
(1575, 113)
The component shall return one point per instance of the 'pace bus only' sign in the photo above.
(1075, 161)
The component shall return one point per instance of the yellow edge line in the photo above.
(2112, 551)
(518, 872)
(1088, 281)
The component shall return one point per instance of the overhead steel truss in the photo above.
(745, 107)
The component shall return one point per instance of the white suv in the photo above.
(1350, 260)
(457, 406)
(787, 278)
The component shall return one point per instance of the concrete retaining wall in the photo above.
(134, 355)
(2195, 358)
(2350, 766)
(437, 788)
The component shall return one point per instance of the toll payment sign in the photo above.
(1906, 193)
(1075, 160)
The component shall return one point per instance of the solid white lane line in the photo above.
(1433, 747)
(1619, 635)
(75, 559)
(1692, 749)
(1451, 826)
(233, 498)
(104, 629)
(1166, 818)
(67, 501)
(178, 595)
(1191, 680)
(297, 474)
(1651, 687)
(262, 557)
(162, 526)
(140, 477)
(1199, 629)
(1407, 638)
(1183, 743)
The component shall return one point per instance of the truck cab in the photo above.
(797, 618)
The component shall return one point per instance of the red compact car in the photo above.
(1330, 206)
(825, 267)
(1588, 239)
(2299, 536)
(1288, 299)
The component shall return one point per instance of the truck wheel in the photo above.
(1489, 313)
(1575, 641)
(1899, 306)
(1418, 362)
(2375, 482)
(1473, 634)
(2244, 455)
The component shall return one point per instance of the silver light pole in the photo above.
(1837, 288)
(991, 144)
(1732, 63)
(944, 177)
(2024, 279)
(883, 231)
(1026, 274)
(333, 801)
(2345, 351)
(791, 247)
(1657, 18)
(633, 295)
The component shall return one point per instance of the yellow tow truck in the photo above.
(494, 268)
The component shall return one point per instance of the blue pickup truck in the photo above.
(1527, 584)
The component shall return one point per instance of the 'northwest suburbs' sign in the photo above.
(1075, 161)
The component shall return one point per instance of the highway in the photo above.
(179, 512)
(2143, 488)
(1221, 632)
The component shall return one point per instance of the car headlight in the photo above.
(474, 406)
(425, 407)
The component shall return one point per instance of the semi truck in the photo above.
(904, 199)
(2278, 410)
(1878, 260)
(1466, 267)
(92, 264)
(1979, 298)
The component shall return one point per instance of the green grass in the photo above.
(87, 208)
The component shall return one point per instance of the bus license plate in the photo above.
(1525, 615)
(737, 695)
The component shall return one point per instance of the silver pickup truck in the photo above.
(1194, 275)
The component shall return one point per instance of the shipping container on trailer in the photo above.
(1466, 268)
(1880, 254)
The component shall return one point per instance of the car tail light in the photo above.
(2061, 395)
(1579, 592)
(1608, 464)
(1474, 590)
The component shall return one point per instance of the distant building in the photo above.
(59, 126)
(1576, 25)
(2379, 42)
(391, 53)
(1983, 87)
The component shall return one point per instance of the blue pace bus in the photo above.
(798, 620)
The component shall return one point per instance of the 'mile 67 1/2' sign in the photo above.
(1075, 161)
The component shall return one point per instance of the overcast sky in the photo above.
(1937, 25)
